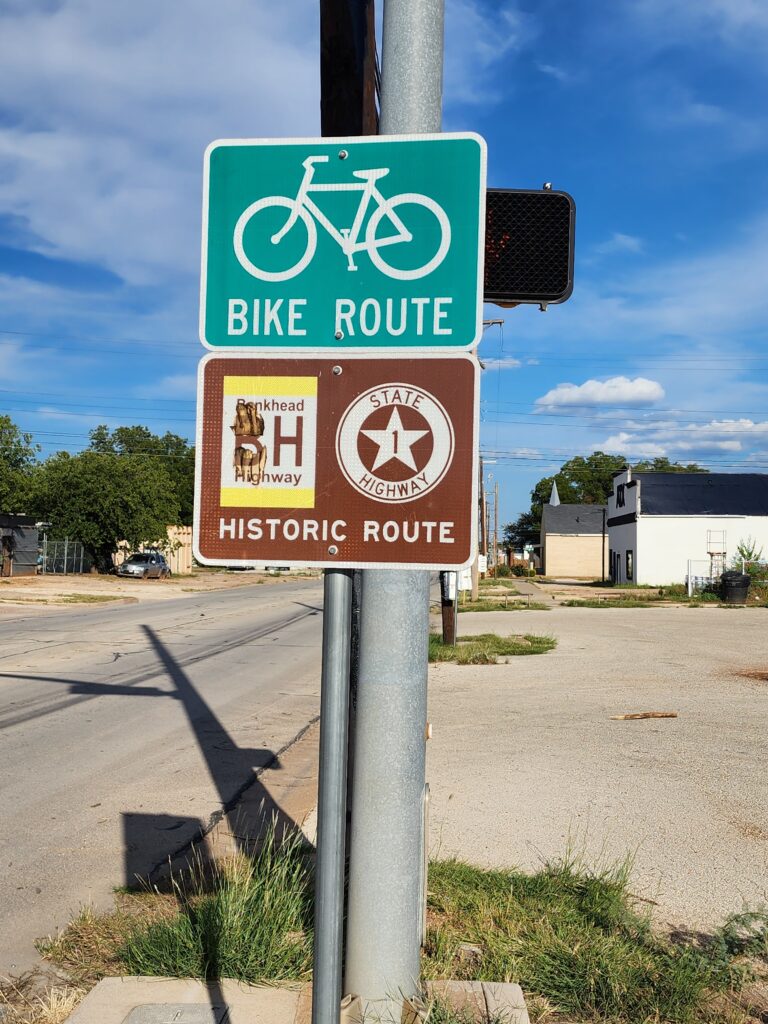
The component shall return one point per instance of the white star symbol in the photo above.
(394, 442)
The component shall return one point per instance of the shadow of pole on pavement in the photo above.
(230, 767)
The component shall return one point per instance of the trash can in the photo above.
(735, 587)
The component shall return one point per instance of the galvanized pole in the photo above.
(332, 798)
(387, 853)
(496, 524)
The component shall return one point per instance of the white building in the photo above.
(658, 523)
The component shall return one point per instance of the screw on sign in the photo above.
(312, 461)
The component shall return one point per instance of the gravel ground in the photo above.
(525, 761)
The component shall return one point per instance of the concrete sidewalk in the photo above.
(525, 761)
(186, 1001)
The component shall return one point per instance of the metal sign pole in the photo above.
(386, 887)
(332, 797)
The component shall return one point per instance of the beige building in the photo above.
(574, 541)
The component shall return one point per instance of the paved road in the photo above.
(123, 730)
(526, 761)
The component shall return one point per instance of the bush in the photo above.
(502, 570)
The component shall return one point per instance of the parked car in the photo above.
(145, 565)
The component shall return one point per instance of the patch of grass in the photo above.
(501, 605)
(254, 925)
(63, 599)
(88, 948)
(441, 1012)
(21, 1004)
(249, 918)
(575, 943)
(572, 938)
(609, 584)
(491, 581)
(609, 602)
(487, 648)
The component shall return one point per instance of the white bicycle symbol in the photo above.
(303, 208)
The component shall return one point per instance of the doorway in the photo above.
(7, 552)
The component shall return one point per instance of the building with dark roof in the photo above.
(663, 527)
(573, 541)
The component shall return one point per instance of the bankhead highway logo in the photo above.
(269, 442)
(395, 443)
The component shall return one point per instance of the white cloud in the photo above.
(736, 22)
(502, 363)
(16, 363)
(89, 419)
(719, 131)
(477, 41)
(689, 440)
(619, 242)
(555, 72)
(621, 391)
(177, 385)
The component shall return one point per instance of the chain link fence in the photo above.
(65, 557)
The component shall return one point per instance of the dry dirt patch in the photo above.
(59, 590)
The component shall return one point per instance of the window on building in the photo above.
(630, 566)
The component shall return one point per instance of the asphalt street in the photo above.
(125, 730)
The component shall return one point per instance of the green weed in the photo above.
(502, 605)
(487, 648)
(491, 581)
(253, 923)
(573, 939)
(610, 602)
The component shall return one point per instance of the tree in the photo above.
(661, 464)
(100, 498)
(17, 463)
(524, 530)
(174, 451)
(581, 480)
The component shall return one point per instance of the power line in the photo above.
(671, 361)
(650, 427)
(56, 394)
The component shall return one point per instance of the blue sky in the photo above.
(651, 113)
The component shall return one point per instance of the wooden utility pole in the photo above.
(483, 514)
(481, 527)
(495, 525)
(348, 68)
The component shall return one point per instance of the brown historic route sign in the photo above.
(353, 461)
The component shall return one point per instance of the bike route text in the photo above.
(283, 317)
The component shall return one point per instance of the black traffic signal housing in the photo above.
(529, 238)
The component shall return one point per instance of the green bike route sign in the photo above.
(343, 244)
